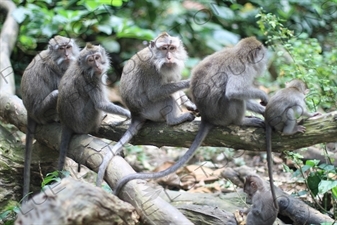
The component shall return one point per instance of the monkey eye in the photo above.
(172, 48)
(61, 48)
(97, 57)
(164, 48)
(69, 46)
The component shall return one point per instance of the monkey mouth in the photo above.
(98, 71)
(169, 64)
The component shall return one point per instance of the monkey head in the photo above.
(168, 52)
(252, 184)
(252, 52)
(93, 60)
(299, 85)
(63, 50)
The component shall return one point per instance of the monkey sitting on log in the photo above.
(281, 114)
(39, 86)
(222, 88)
(82, 96)
(262, 211)
(152, 90)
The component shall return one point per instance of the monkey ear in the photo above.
(152, 44)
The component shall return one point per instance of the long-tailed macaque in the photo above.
(39, 86)
(263, 211)
(82, 96)
(222, 88)
(152, 90)
(281, 114)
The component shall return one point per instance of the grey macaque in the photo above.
(281, 114)
(39, 86)
(152, 90)
(263, 210)
(82, 96)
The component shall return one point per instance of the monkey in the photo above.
(262, 211)
(280, 114)
(39, 88)
(82, 97)
(222, 89)
(151, 88)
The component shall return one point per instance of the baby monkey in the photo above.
(262, 211)
(82, 96)
(39, 86)
(152, 90)
(282, 112)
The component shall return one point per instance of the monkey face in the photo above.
(96, 63)
(63, 50)
(168, 51)
(65, 54)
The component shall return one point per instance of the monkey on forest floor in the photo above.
(39, 86)
(222, 88)
(281, 114)
(262, 211)
(152, 90)
(82, 96)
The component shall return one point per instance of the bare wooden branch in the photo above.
(8, 38)
(320, 129)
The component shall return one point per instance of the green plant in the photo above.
(302, 57)
(8, 216)
(53, 177)
(320, 179)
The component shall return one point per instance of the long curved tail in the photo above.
(31, 127)
(204, 129)
(270, 163)
(135, 126)
(66, 136)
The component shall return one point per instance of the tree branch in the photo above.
(8, 38)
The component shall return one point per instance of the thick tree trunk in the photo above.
(8, 37)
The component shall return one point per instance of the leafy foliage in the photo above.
(301, 57)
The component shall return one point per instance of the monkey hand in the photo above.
(301, 129)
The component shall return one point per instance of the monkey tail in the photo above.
(31, 127)
(136, 124)
(270, 163)
(66, 136)
(204, 129)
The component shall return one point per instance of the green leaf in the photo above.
(105, 28)
(326, 185)
(116, 3)
(27, 41)
(327, 167)
(136, 32)
(20, 14)
(313, 182)
(312, 162)
(110, 45)
(334, 192)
